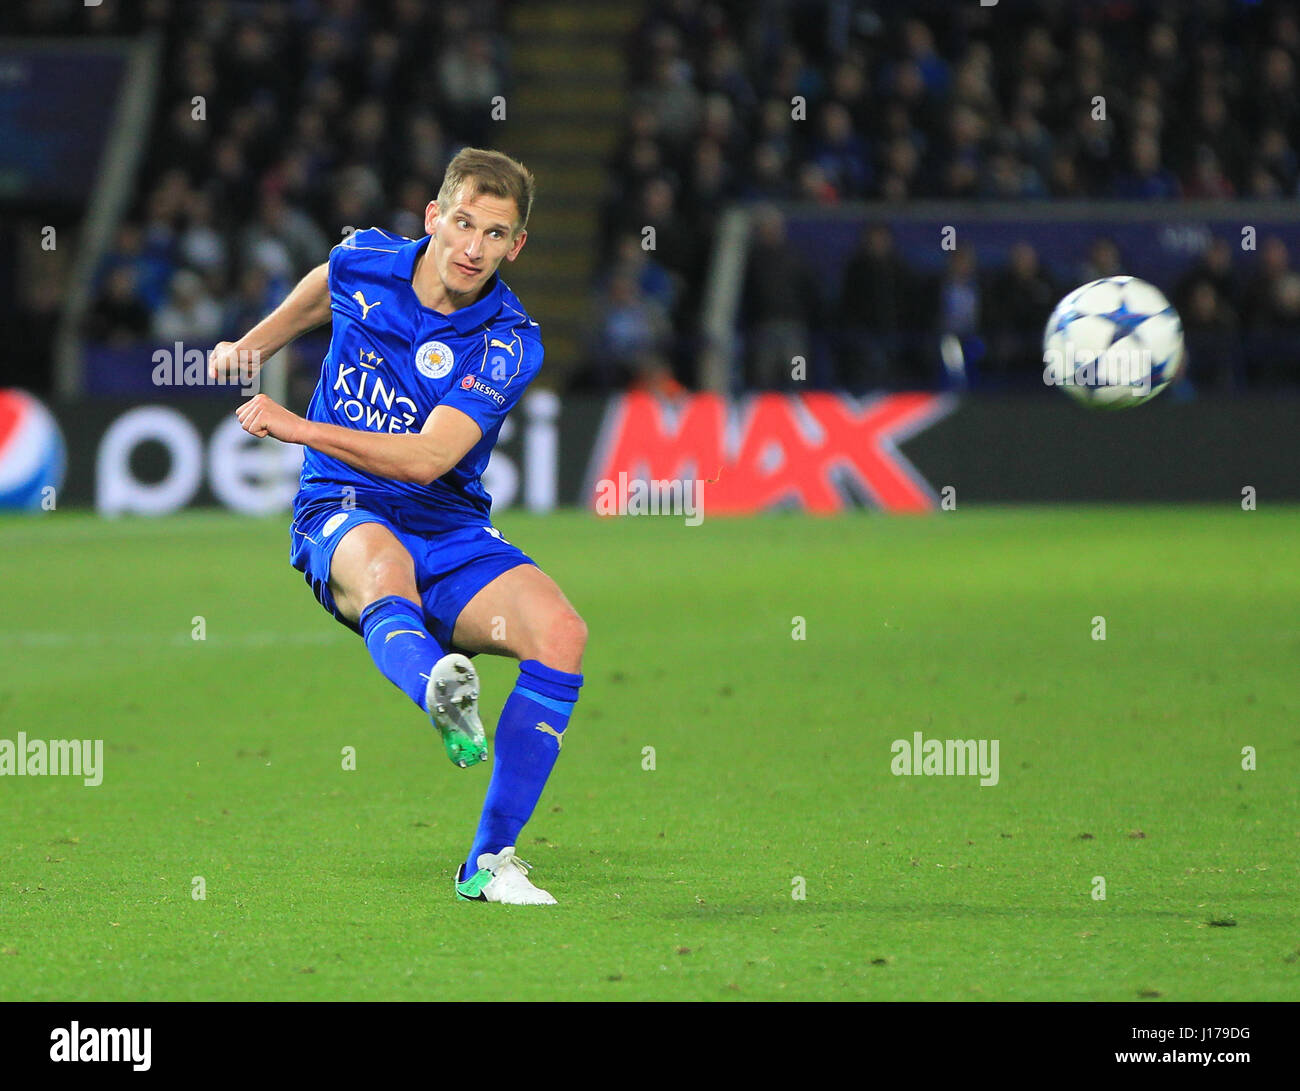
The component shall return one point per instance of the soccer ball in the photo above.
(1113, 343)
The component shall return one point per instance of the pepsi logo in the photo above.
(33, 458)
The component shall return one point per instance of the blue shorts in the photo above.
(451, 566)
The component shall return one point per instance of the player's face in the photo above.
(470, 239)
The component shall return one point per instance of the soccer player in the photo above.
(391, 526)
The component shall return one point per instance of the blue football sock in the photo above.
(526, 745)
(400, 644)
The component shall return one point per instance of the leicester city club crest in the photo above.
(433, 360)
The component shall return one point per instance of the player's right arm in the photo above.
(303, 309)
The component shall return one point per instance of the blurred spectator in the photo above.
(902, 170)
(1103, 261)
(842, 155)
(201, 246)
(1215, 129)
(1273, 294)
(633, 334)
(469, 80)
(151, 267)
(960, 295)
(1146, 179)
(1208, 182)
(780, 303)
(118, 315)
(959, 315)
(1063, 178)
(252, 302)
(1212, 339)
(709, 183)
(813, 186)
(429, 154)
(767, 178)
(672, 98)
(1215, 268)
(1272, 319)
(724, 74)
(877, 301)
(189, 314)
(1023, 295)
(652, 280)
(1276, 99)
(674, 245)
(1009, 179)
(282, 240)
(919, 40)
(1276, 156)
(718, 125)
(796, 76)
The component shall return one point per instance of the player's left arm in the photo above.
(447, 436)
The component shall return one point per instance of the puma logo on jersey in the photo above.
(547, 729)
(399, 632)
(366, 308)
(502, 345)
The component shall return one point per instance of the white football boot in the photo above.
(451, 698)
(501, 877)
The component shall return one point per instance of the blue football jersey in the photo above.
(391, 361)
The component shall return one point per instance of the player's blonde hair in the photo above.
(475, 171)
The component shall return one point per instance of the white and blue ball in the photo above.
(1113, 343)
(33, 458)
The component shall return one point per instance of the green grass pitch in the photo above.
(1119, 759)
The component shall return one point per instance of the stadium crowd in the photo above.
(824, 102)
(328, 116)
(332, 114)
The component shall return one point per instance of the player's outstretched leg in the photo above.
(445, 686)
(372, 579)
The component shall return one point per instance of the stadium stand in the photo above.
(947, 102)
(341, 113)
